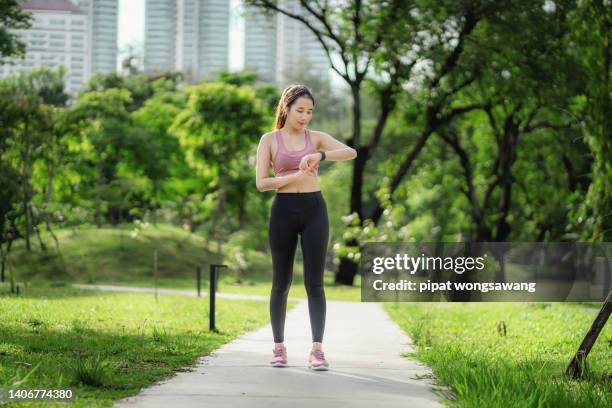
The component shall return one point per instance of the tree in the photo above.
(590, 41)
(9, 196)
(12, 17)
(27, 115)
(268, 93)
(9, 181)
(153, 150)
(98, 123)
(140, 86)
(526, 90)
(383, 44)
(217, 130)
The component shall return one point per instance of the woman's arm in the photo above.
(274, 183)
(334, 150)
(262, 181)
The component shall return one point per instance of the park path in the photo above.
(361, 343)
(115, 288)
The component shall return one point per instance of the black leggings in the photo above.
(292, 214)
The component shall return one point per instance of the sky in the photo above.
(131, 29)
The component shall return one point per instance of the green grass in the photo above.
(89, 254)
(107, 346)
(465, 345)
(110, 256)
(253, 286)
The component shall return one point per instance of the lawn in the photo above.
(110, 255)
(508, 354)
(107, 346)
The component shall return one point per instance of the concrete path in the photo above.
(114, 288)
(361, 343)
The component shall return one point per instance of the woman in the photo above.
(298, 209)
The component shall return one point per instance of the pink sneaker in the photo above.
(280, 356)
(316, 360)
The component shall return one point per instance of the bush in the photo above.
(242, 257)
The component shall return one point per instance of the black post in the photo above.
(199, 278)
(213, 288)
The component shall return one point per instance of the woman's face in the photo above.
(300, 112)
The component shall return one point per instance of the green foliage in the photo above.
(533, 130)
(114, 254)
(267, 93)
(28, 110)
(12, 17)
(97, 130)
(270, 95)
(242, 256)
(107, 103)
(155, 152)
(238, 78)
(9, 190)
(219, 124)
(97, 124)
(590, 42)
(218, 130)
(140, 86)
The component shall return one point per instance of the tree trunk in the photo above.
(5, 256)
(242, 214)
(347, 269)
(1, 264)
(507, 155)
(219, 214)
(24, 184)
(190, 220)
(50, 176)
(99, 194)
(155, 201)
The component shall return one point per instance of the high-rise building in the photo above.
(103, 27)
(58, 36)
(280, 47)
(187, 35)
(260, 44)
(80, 34)
(160, 35)
(213, 44)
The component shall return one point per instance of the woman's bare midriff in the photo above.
(305, 184)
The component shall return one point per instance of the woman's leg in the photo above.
(283, 241)
(314, 241)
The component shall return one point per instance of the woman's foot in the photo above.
(279, 358)
(317, 361)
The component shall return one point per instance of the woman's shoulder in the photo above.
(317, 136)
(317, 133)
(267, 137)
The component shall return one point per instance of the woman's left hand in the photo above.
(310, 161)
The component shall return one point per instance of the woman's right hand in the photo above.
(308, 172)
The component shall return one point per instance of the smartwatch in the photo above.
(322, 155)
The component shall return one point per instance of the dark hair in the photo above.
(288, 97)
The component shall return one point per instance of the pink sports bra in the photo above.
(286, 161)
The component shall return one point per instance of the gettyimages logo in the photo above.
(486, 271)
(427, 263)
